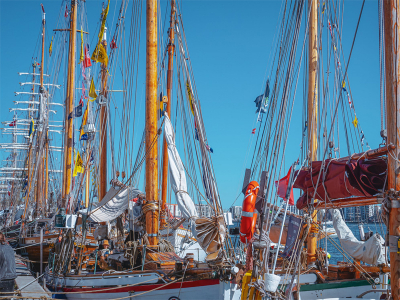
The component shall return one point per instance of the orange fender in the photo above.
(249, 218)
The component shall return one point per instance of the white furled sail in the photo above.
(371, 251)
(177, 172)
(114, 203)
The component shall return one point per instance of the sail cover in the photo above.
(371, 251)
(177, 172)
(340, 179)
(113, 204)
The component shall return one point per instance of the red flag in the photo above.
(86, 61)
(253, 131)
(113, 45)
(282, 186)
(66, 11)
(13, 123)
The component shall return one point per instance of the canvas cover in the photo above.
(177, 172)
(340, 179)
(113, 204)
(371, 251)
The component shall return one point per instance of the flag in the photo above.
(253, 131)
(282, 186)
(189, 95)
(196, 134)
(355, 121)
(86, 62)
(348, 98)
(31, 128)
(77, 111)
(13, 123)
(362, 138)
(209, 149)
(78, 168)
(100, 54)
(113, 45)
(51, 46)
(66, 11)
(82, 56)
(92, 91)
(83, 136)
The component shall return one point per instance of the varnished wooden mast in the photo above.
(392, 65)
(69, 104)
(171, 48)
(103, 132)
(312, 113)
(151, 207)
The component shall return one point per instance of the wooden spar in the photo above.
(392, 76)
(43, 36)
(171, 48)
(69, 107)
(87, 175)
(46, 182)
(151, 206)
(312, 114)
(349, 202)
(103, 132)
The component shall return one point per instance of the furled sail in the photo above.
(340, 179)
(114, 203)
(177, 172)
(371, 251)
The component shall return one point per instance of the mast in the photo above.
(171, 48)
(69, 103)
(103, 129)
(392, 63)
(151, 207)
(312, 113)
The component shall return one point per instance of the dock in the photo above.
(31, 288)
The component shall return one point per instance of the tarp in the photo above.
(177, 172)
(371, 251)
(292, 235)
(113, 204)
(340, 179)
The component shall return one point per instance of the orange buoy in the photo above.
(249, 218)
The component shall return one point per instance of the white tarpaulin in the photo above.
(177, 172)
(113, 204)
(371, 251)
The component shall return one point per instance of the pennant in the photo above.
(100, 54)
(282, 185)
(362, 138)
(83, 136)
(103, 22)
(82, 56)
(348, 98)
(355, 121)
(78, 168)
(77, 111)
(31, 128)
(113, 45)
(13, 123)
(66, 11)
(189, 95)
(253, 131)
(343, 84)
(196, 134)
(87, 62)
(305, 126)
(83, 91)
(209, 149)
(92, 91)
(51, 46)
(323, 7)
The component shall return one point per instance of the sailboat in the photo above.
(286, 242)
(156, 254)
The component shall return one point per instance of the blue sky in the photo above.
(230, 48)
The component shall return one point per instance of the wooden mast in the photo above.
(151, 207)
(69, 104)
(312, 106)
(171, 48)
(392, 65)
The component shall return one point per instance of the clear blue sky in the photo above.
(230, 45)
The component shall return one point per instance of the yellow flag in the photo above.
(100, 54)
(92, 91)
(78, 165)
(83, 136)
(355, 121)
(82, 51)
(190, 95)
(103, 22)
(344, 83)
(51, 47)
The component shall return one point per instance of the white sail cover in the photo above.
(371, 251)
(113, 204)
(177, 172)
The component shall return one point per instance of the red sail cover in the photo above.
(341, 179)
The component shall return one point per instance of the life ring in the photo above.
(249, 218)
